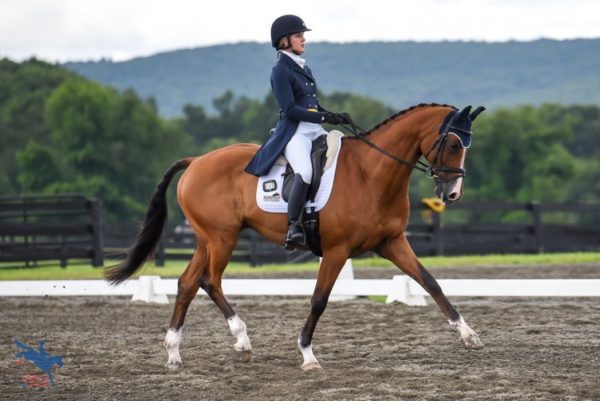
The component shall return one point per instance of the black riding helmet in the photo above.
(286, 25)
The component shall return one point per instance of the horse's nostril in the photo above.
(453, 196)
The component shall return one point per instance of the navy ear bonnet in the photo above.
(459, 124)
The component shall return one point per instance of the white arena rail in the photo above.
(399, 288)
(40, 288)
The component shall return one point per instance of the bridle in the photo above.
(430, 171)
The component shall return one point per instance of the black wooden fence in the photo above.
(69, 227)
(532, 231)
(251, 248)
(178, 244)
(36, 228)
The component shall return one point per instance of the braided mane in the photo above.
(411, 108)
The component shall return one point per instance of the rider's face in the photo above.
(297, 41)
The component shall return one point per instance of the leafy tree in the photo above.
(585, 122)
(38, 167)
(365, 111)
(103, 143)
(246, 120)
(62, 133)
(77, 114)
(24, 89)
(518, 155)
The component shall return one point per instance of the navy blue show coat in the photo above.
(296, 92)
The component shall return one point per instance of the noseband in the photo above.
(430, 171)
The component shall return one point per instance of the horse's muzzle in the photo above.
(449, 191)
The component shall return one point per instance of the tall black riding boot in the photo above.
(296, 235)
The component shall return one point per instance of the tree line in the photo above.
(61, 133)
(397, 73)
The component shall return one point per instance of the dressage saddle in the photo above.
(310, 218)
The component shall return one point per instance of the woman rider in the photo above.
(300, 119)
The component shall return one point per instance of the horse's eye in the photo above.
(454, 147)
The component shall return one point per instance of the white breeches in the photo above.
(297, 151)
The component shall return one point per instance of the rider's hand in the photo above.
(346, 117)
(336, 118)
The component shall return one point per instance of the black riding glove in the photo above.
(336, 118)
(346, 117)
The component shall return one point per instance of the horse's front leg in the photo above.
(399, 252)
(331, 265)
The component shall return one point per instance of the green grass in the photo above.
(82, 270)
(547, 259)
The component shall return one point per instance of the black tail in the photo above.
(152, 228)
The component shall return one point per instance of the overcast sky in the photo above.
(66, 30)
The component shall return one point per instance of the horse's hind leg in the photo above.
(188, 285)
(205, 270)
(399, 252)
(210, 281)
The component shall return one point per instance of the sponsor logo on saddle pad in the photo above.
(29, 376)
(272, 198)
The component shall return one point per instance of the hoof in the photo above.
(472, 342)
(174, 365)
(242, 348)
(244, 356)
(311, 366)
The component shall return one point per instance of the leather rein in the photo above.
(429, 169)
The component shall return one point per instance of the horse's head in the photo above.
(446, 151)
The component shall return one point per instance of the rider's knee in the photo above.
(306, 174)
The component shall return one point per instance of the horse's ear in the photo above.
(464, 113)
(477, 111)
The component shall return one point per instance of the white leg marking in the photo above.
(238, 329)
(172, 341)
(469, 338)
(310, 362)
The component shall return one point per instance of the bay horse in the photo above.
(368, 210)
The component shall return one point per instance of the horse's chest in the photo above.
(371, 237)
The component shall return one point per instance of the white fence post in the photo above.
(400, 291)
(347, 273)
(145, 291)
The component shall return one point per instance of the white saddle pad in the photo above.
(270, 186)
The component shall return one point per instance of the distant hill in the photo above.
(398, 73)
